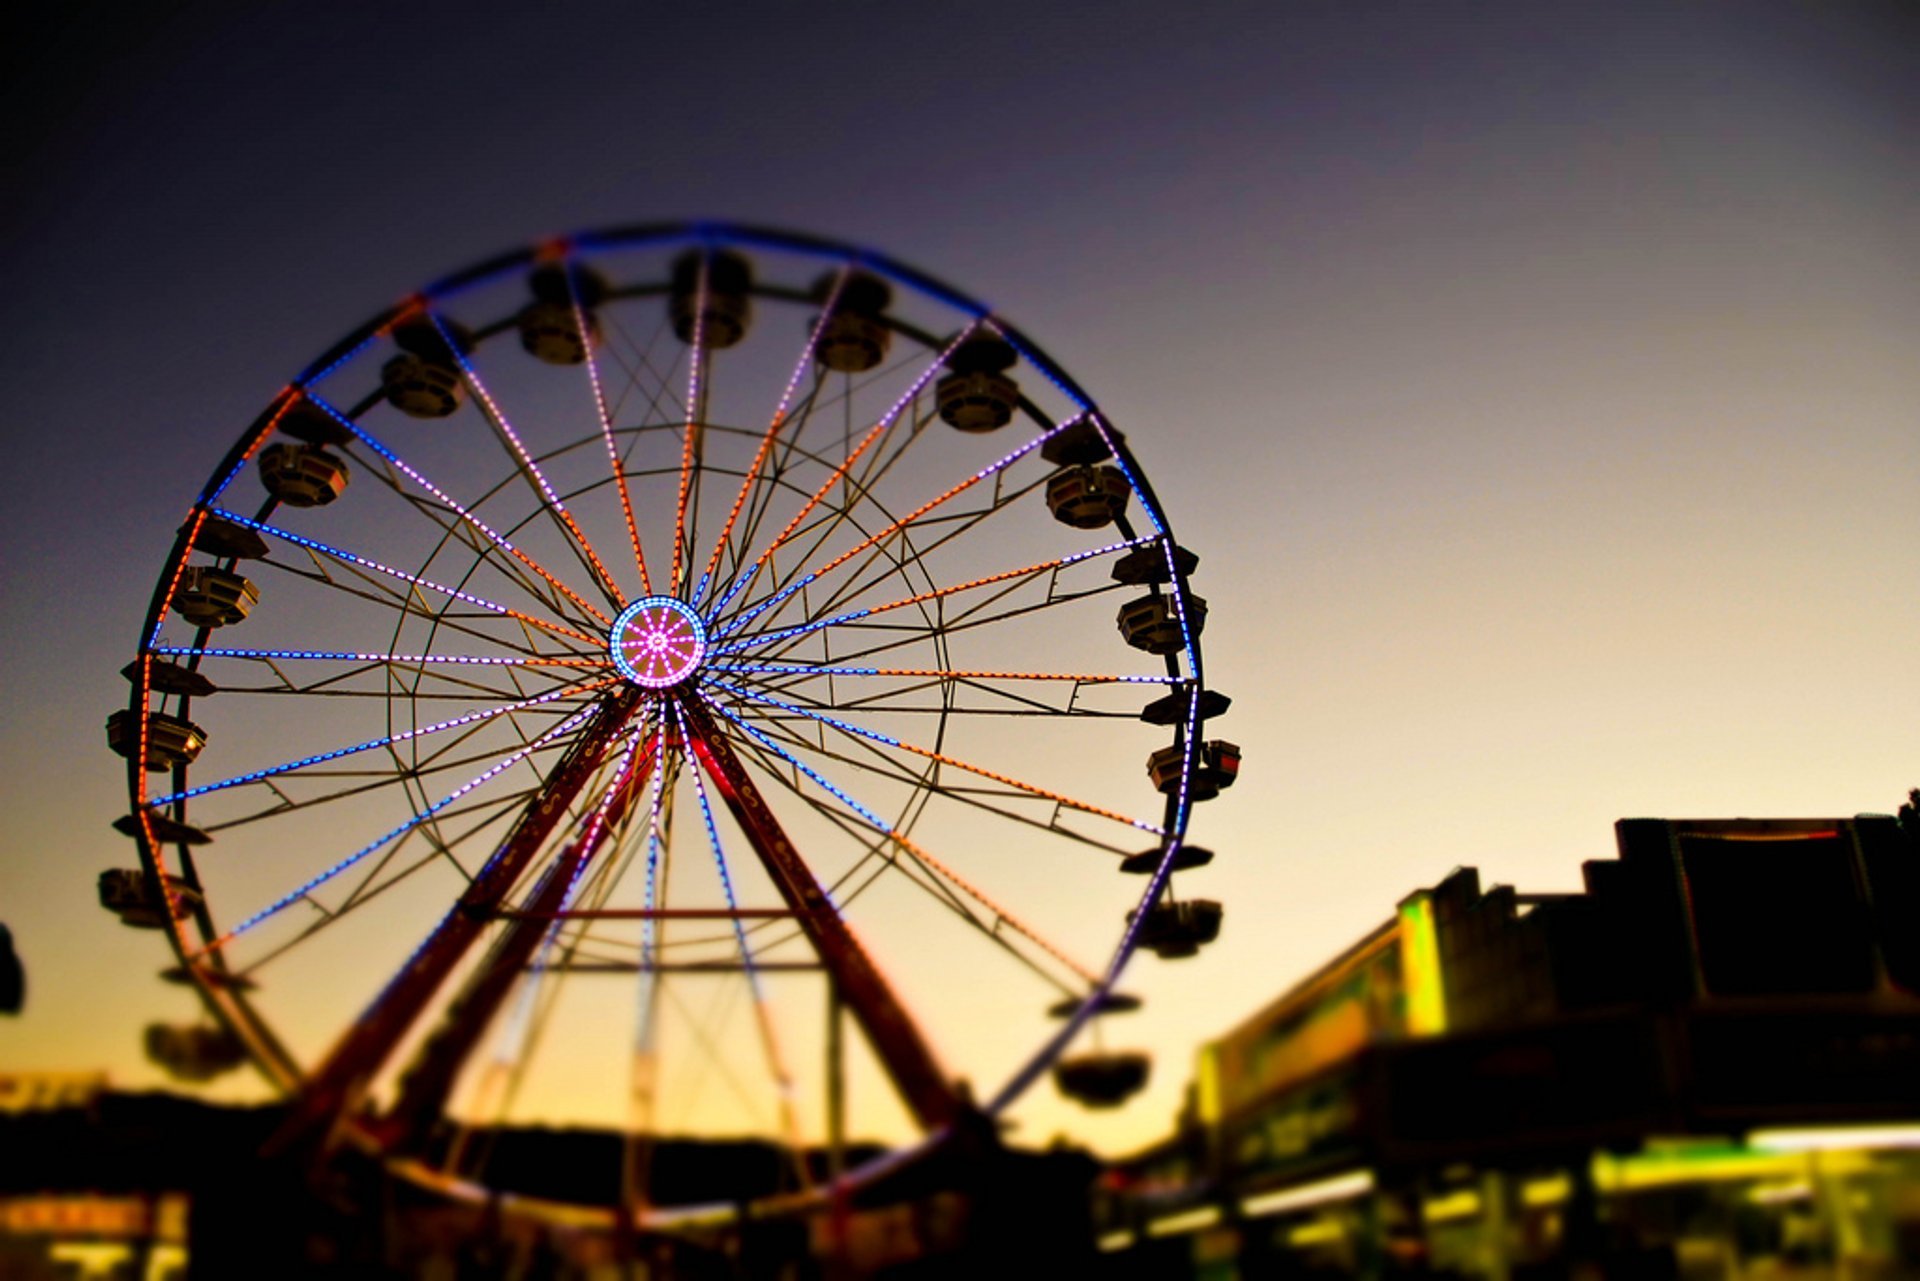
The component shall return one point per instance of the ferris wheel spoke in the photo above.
(552, 737)
(865, 757)
(839, 474)
(571, 273)
(1024, 572)
(871, 639)
(411, 579)
(529, 468)
(893, 697)
(1032, 789)
(375, 660)
(402, 736)
(939, 869)
(763, 1014)
(779, 420)
(690, 443)
(640, 371)
(481, 527)
(991, 470)
(428, 1081)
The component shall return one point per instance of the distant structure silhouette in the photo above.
(13, 976)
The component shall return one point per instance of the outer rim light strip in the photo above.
(885, 421)
(401, 737)
(1025, 571)
(944, 759)
(900, 524)
(492, 771)
(487, 530)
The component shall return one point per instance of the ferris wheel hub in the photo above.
(657, 642)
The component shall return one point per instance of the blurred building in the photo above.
(1707, 1064)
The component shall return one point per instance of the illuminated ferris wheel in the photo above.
(593, 657)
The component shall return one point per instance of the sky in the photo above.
(1534, 381)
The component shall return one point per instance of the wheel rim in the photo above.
(825, 638)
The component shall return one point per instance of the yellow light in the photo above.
(1319, 1232)
(1553, 1190)
(1340, 1187)
(1420, 960)
(1186, 1221)
(1114, 1241)
(1846, 1136)
(1206, 1078)
(1454, 1205)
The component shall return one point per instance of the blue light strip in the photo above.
(403, 736)
(492, 772)
(800, 765)
(314, 544)
(720, 860)
(355, 656)
(649, 978)
(485, 529)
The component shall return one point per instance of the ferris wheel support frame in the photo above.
(903, 1051)
(337, 1086)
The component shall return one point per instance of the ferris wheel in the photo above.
(593, 659)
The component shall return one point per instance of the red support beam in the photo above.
(896, 1040)
(337, 1085)
(428, 1081)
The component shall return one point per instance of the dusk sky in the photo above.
(1536, 382)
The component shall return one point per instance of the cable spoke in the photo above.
(944, 759)
(550, 738)
(484, 529)
(402, 736)
(895, 527)
(497, 419)
(886, 421)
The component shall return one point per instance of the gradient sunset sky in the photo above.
(1537, 382)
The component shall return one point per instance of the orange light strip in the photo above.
(796, 668)
(606, 428)
(898, 525)
(505, 428)
(927, 752)
(856, 615)
(488, 531)
(779, 419)
(886, 420)
(693, 416)
(979, 896)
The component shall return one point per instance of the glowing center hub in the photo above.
(657, 642)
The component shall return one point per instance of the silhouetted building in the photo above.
(1707, 1061)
